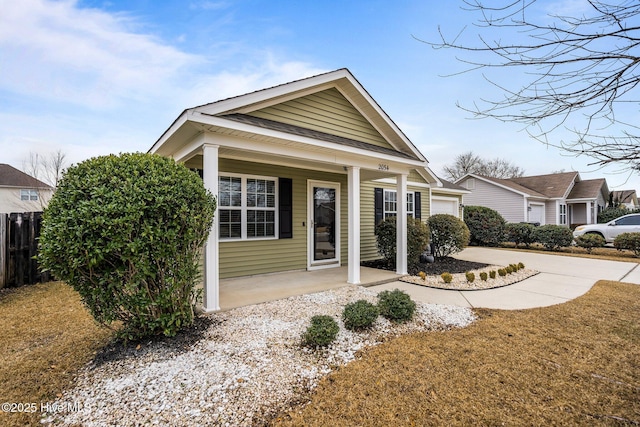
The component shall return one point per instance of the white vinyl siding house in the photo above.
(510, 204)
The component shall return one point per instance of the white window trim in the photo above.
(244, 208)
(31, 194)
(412, 212)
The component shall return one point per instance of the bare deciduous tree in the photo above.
(47, 168)
(580, 70)
(471, 163)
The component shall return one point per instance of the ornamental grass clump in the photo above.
(422, 275)
(483, 276)
(126, 232)
(492, 274)
(396, 305)
(322, 331)
(470, 276)
(446, 277)
(359, 315)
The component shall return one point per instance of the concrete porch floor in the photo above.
(248, 290)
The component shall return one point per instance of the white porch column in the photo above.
(353, 195)
(212, 250)
(401, 224)
(589, 208)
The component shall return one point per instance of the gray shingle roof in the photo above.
(12, 177)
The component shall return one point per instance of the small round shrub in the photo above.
(589, 241)
(483, 276)
(492, 274)
(485, 225)
(520, 265)
(508, 269)
(417, 239)
(359, 315)
(322, 331)
(520, 233)
(449, 235)
(447, 277)
(553, 236)
(126, 233)
(470, 276)
(422, 275)
(396, 305)
(502, 272)
(628, 241)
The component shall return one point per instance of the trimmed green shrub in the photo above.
(126, 233)
(502, 272)
(520, 233)
(483, 276)
(446, 277)
(628, 241)
(520, 265)
(322, 331)
(589, 241)
(449, 235)
(492, 274)
(470, 276)
(553, 236)
(514, 267)
(509, 269)
(485, 225)
(417, 239)
(609, 214)
(359, 315)
(396, 305)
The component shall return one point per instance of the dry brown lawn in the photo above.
(47, 335)
(576, 363)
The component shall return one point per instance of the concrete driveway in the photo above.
(561, 279)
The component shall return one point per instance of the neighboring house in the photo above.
(628, 198)
(448, 199)
(560, 198)
(20, 192)
(301, 172)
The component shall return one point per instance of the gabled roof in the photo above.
(555, 185)
(448, 185)
(506, 183)
(625, 196)
(589, 189)
(12, 177)
(228, 113)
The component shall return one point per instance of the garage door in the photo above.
(444, 207)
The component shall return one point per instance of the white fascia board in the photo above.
(343, 150)
(393, 181)
(177, 124)
(451, 191)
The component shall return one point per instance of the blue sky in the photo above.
(99, 77)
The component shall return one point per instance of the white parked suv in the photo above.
(625, 224)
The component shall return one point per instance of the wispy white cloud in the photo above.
(84, 56)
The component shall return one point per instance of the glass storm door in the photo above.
(324, 210)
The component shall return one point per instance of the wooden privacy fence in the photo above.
(19, 234)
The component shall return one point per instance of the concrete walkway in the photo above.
(561, 279)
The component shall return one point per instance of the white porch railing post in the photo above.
(401, 224)
(354, 225)
(211, 300)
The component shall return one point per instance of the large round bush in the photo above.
(417, 239)
(553, 236)
(126, 232)
(449, 235)
(520, 233)
(485, 225)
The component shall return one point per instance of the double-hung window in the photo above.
(391, 203)
(29, 195)
(563, 214)
(247, 206)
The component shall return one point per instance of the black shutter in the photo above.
(285, 203)
(417, 205)
(378, 203)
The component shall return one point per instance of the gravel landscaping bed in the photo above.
(460, 282)
(238, 368)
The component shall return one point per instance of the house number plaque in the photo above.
(383, 167)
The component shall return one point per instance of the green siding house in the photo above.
(301, 173)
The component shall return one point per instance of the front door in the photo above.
(324, 224)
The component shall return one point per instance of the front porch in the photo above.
(248, 290)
